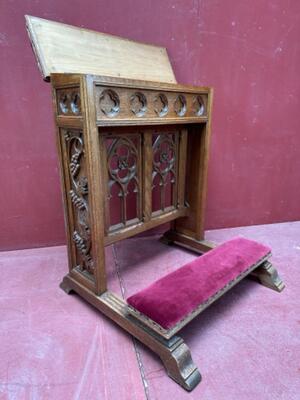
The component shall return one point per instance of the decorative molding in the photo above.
(116, 105)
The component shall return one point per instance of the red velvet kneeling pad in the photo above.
(171, 298)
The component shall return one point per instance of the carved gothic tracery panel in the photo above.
(78, 195)
(164, 174)
(124, 191)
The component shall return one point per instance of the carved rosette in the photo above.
(78, 195)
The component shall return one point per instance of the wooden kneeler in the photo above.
(126, 134)
(171, 302)
(222, 268)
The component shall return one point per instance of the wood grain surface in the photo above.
(64, 48)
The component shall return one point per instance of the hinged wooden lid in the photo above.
(64, 48)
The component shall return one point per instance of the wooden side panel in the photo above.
(78, 154)
(196, 179)
(73, 171)
(72, 142)
(96, 53)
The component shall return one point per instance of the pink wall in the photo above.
(247, 50)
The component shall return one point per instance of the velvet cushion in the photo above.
(169, 299)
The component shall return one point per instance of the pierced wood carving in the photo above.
(78, 195)
(123, 158)
(68, 101)
(116, 106)
(109, 102)
(180, 105)
(164, 175)
(199, 106)
(138, 104)
(161, 105)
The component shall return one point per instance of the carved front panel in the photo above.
(114, 104)
(164, 171)
(141, 176)
(78, 199)
(122, 170)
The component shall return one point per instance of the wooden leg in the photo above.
(165, 240)
(173, 352)
(268, 276)
(180, 366)
(65, 287)
(266, 273)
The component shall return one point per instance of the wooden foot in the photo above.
(173, 352)
(65, 287)
(165, 240)
(180, 366)
(268, 276)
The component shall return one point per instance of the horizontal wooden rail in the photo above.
(143, 226)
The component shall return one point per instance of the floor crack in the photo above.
(134, 341)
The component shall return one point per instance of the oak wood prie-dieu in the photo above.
(133, 155)
(131, 141)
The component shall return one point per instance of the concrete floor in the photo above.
(54, 346)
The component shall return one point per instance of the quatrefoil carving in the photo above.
(180, 105)
(161, 105)
(138, 104)
(69, 102)
(199, 106)
(109, 102)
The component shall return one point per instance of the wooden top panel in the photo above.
(64, 48)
